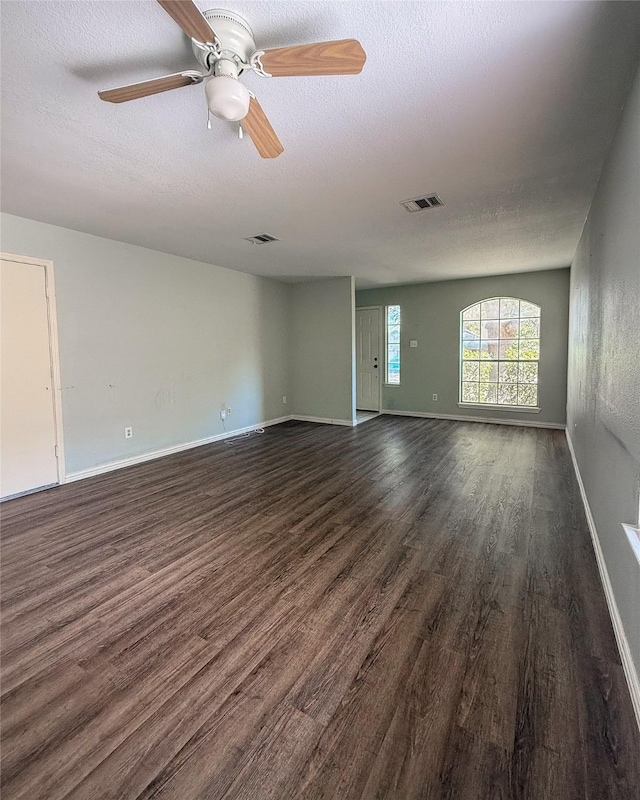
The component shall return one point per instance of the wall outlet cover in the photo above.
(413, 343)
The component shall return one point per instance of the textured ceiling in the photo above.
(505, 109)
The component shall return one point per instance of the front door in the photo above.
(368, 367)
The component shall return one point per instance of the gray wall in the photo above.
(431, 314)
(604, 371)
(322, 340)
(157, 342)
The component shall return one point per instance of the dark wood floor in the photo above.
(407, 609)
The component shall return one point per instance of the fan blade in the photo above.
(156, 85)
(262, 134)
(189, 18)
(343, 57)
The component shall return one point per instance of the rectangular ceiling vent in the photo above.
(420, 203)
(261, 238)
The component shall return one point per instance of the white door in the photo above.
(27, 416)
(368, 366)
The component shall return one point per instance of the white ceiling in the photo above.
(505, 109)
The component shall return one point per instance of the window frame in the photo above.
(387, 343)
(499, 406)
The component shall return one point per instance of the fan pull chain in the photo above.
(209, 119)
(240, 132)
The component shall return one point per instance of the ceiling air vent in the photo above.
(420, 203)
(261, 238)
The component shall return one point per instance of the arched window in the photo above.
(499, 352)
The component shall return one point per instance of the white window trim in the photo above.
(497, 407)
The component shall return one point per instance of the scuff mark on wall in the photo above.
(165, 399)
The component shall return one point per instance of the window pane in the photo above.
(470, 371)
(393, 315)
(394, 334)
(509, 329)
(529, 309)
(472, 313)
(527, 395)
(469, 392)
(471, 330)
(528, 372)
(530, 328)
(508, 394)
(490, 329)
(508, 372)
(469, 351)
(529, 349)
(487, 392)
(490, 309)
(509, 307)
(489, 349)
(393, 353)
(470, 340)
(488, 371)
(509, 350)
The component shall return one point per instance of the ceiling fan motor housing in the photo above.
(235, 37)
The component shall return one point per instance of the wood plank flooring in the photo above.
(407, 609)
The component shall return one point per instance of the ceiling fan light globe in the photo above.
(227, 98)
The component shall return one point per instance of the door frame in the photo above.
(54, 353)
(382, 356)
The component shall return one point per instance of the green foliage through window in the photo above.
(500, 352)
(393, 344)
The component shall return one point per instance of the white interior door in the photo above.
(27, 413)
(368, 366)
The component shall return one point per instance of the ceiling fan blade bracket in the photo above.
(207, 53)
(255, 62)
(196, 77)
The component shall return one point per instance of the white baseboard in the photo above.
(323, 420)
(166, 451)
(525, 423)
(628, 666)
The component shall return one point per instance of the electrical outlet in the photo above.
(223, 414)
(435, 397)
(284, 400)
(128, 433)
(413, 343)
(228, 412)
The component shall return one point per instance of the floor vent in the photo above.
(420, 203)
(261, 238)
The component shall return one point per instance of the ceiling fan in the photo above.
(224, 45)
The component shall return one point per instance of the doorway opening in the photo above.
(365, 416)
